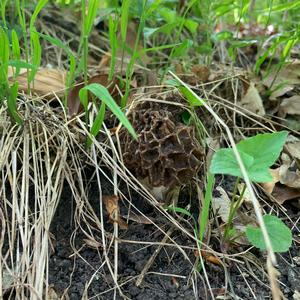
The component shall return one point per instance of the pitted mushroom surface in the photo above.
(167, 153)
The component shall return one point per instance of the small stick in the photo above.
(152, 258)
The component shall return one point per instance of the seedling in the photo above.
(258, 153)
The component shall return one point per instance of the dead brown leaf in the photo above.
(284, 185)
(289, 106)
(284, 193)
(252, 101)
(269, 186)
(138, 218)
(52, 295)
(221, 206)
(202, 72)
(293, 146)
(92, 243)
(286, 79)
(208, 257)
(74, 105)
(112, 208)
(46, 82)
(288, 175)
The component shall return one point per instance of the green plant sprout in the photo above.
(258, 153)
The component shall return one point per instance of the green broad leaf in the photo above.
(191, 25)
(102, 93)
(222, 36)
(186, 118)
(243, 43)
(280, 235)
(264, 148)
(183, 48)
(224, 162)
(166, 29)
(258, 154)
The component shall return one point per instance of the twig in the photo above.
(152, 258)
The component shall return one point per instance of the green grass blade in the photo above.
(180, 210)
(15, 49)
(12, 103)
(3, 11)
(206, 205)
(37, 10)
(4, 56)
(124, 18)
(97, 123)
(36, 54)
(112, 26)
(20, 64)
(90, 17)
(102, 93)
(56, 42)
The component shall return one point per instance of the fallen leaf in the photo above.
(287, 175)
(221, 204)
(202, 72)
(52, 295)
(112, 208)
(296, 259)
(209, 257)
(293, 146)
(269, 186)
(290, 178)
(252, 101)
(280, 92)
(279, 188)
(92, 243)
(286, 79)
(284, 193)
(289, 106)
(46, 82)
(74, 105)
(138, 218)
(246, 197)
(213, 144)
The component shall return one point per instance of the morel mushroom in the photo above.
(166, 155)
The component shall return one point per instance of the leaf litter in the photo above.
(284, 184)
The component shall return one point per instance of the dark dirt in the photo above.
(168, 278)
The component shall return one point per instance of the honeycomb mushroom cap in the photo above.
(166, 153)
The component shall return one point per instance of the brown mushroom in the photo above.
(167, 153)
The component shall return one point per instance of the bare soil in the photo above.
(169, 277)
